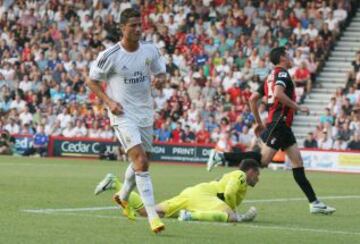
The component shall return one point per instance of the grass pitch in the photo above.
(52, 201)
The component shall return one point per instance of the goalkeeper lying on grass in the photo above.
(212, 201)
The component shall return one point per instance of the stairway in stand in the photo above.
(332, 76)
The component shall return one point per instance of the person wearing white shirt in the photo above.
(64, 117)
(83, 12)
(25, 84)
(325, 142)
(12, 127)
(87, 23)
(69, 130)
(127, 68)
(340, 13)
(312, 31)
(79, 129)
(18, 104)
(332, 22)
(106, 133)
(245, 137)
(94, 131)
(26, 117)
(160, 100)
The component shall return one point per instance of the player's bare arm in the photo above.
(113, 106)
(284, 99)
(254, 109)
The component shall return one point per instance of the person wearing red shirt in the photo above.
(234, 92)
(232, 114)
(177, 133)
(293, 21)
(202, 136)
(302, 77)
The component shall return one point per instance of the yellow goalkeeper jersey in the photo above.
(232, 188)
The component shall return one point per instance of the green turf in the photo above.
(34, 183)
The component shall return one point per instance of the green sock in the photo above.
(134, 198)
(117, 184)
(212, 216)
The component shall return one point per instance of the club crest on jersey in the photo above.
(147, 61)
(282, 75)
(272, 142)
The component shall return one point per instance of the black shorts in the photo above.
(278, 136)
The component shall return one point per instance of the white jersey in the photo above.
(128, 80)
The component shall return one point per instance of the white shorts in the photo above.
(131, 135)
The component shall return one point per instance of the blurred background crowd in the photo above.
(216, 53)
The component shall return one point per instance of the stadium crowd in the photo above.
(216, 54)
(339, 128)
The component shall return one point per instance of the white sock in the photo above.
(145, 188)
(129, 183)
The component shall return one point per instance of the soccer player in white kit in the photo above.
(127, 68)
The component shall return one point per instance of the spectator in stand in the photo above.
(163, 134)
(107, 132)
(40, 143)
(302, 77)
(354, 143)
(355, 68)
(325, 142)
(7, 143)
(188, 135)
(177, 133)
(327, 117)
(310, 141)
(68, 131)
(12, 127)
(245, 137)
(203, 136)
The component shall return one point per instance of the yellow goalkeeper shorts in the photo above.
(198, 198)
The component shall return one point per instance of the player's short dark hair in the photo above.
(247, 164)
(276, 53)
(128, 13)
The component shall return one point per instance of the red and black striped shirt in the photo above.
(278, 111)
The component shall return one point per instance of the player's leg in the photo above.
(171, 208)
(316, 206)
(269, 146)
(135, 145)
(139, 155)
(111, 182)
(211, 208)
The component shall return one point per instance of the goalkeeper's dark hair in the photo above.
(276, 54)
(128, 13)
(247, 164)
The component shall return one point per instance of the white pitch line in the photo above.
(45, 210)
(246, 225)
(51, 210)
(301, 199)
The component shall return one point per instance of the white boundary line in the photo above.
(245, 225)
(52, 210)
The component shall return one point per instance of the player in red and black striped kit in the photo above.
(279, 91)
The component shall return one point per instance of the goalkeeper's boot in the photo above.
(128, 211)
(320, 207)
(105, 184)
(215, 159)
(156, 225)
(184, 215)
